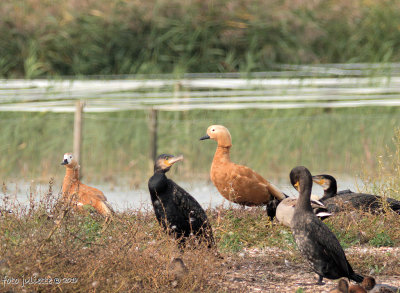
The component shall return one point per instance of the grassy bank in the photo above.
(116, 145)
(45, 239)
(52, 38)
(133, 254)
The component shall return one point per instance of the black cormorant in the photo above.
(176, 210)
(315, 241)
(336, 201)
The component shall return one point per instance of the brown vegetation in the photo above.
(132, 254)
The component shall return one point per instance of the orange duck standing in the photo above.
(84, 195)
(237, 183)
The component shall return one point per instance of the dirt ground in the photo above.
(250, 272)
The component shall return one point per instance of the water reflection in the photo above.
(123, 198)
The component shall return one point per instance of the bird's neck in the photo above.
(159, 174)
(72, 172)
(71, 176)
(158, 179)
(330, 192)
(304, 202)
(222, 155)
(157, 183)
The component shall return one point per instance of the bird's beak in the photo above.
(65, 162)
(205, 137)
(296, 185)
(317, 179)
(173, 160)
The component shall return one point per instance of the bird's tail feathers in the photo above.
(323, 215)
(107, 209)
(276, 192)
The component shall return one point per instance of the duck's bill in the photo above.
(205, 137)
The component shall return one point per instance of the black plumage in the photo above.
(176, 210)
(337, 201)
(271, 207)
(315, 241)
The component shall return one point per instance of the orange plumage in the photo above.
(83, 194)
(345, 287)
(237, 183)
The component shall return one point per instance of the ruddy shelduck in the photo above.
(237, 183)
(79, 194)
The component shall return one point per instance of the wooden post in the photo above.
(153, 134)
(78, 132)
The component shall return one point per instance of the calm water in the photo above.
(123, 198)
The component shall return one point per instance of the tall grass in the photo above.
(116, 145)
(386, 181)
(52, 38)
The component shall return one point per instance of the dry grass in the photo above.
(132, 254)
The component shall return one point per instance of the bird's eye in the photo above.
(70, 157)
(212, 129)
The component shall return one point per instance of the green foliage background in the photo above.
(117, 145)
(58, 37)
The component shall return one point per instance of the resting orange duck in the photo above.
(85, 195)
(237, 183)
